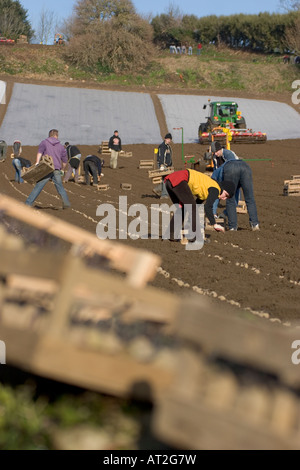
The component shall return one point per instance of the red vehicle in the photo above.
(6, 41)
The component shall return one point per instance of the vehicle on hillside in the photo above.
(4, 40)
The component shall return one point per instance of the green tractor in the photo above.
(222, 114)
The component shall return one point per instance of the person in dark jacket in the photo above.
(3, 150)
(115, 147)
(19, 163)
(74, 156)
(164, 161)
(92, 166)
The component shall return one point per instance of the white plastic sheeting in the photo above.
(278, 120)
(82, 116)
(88, 117)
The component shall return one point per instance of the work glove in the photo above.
(219, 228)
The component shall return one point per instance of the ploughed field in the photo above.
(257, 272)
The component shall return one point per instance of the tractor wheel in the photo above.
(202, 128)
(241, 124)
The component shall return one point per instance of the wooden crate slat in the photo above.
(155, 173)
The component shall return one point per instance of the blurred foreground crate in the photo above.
(235, 386)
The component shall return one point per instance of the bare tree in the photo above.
(46, 27)
(174, 12)
(290, 5)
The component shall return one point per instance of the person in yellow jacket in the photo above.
(191, 187)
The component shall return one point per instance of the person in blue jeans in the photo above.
(19, 163)
(52, 147)
(220, 156)
(240, 173)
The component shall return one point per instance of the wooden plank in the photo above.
(292, 184)
(295, 177)
(22, 262)
(155, 173)
(140, 266)
(36, 172)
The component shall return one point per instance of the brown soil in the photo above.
(257, 270)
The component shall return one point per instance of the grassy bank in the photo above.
(215, 69)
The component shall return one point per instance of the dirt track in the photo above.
(258, 270)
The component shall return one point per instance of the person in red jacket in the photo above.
(189, 188)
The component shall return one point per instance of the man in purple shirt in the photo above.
(52, 147)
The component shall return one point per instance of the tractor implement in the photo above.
(241, 136)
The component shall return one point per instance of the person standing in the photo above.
(199, 48)
(115, 146)
(164, 161)
(19, 163)
(92, 166)
(74, 156)
(3, 150)
(51, 146)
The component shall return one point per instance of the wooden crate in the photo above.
(219, 221)
(146, 164)
(122, 153)
(291, 187)
(157, 175)
(126, 186)
(51, 303)
(35, 173)
(104, 150)
(103, 187)
(241, 207)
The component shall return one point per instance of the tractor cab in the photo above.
(225, 114)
